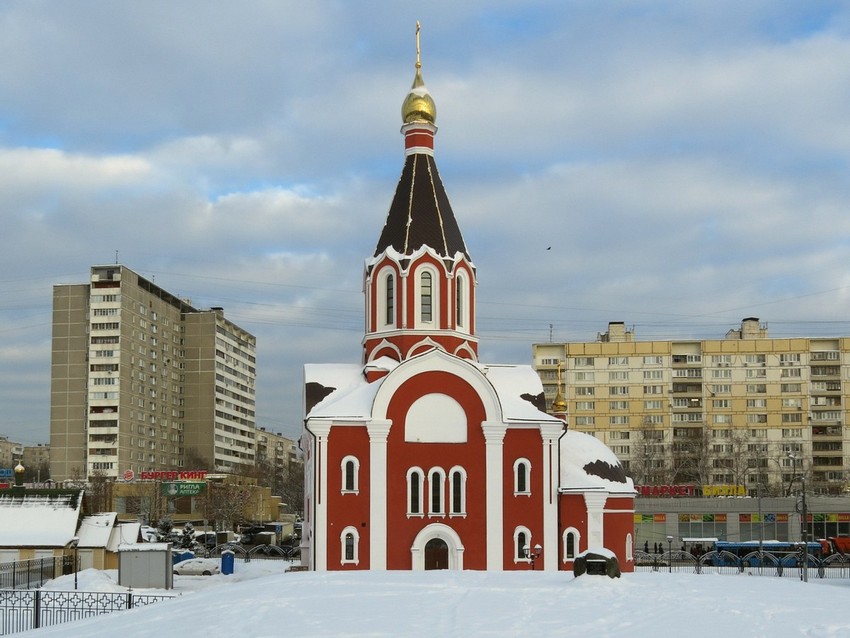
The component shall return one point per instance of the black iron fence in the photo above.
(256, 552)
(30, 574)
(755, 563)
(22, 610)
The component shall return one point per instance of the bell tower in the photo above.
(420, 282)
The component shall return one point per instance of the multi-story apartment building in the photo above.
(743, 410)
(142, 380)
(275, 449)
(10, 453)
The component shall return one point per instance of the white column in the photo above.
(378, 432)
(321, 430)
(550, 433)
(494, 437)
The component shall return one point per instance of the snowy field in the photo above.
(257, 602)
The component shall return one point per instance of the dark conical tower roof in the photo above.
(420, 213)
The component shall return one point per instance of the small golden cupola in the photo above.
(559, 405)
(418, 106)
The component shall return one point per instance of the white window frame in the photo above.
(435, 296)
(355, 559)
(522, 462)
(344, 488)
(441, 492)
(457, 470)
(518, 550)
(421, 492)
(576, 544)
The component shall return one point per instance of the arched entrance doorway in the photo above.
(437, 546)
(436, 554)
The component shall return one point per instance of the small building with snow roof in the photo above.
(421, 456)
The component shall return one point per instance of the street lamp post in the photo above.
(670, 554)
(804, 517)
(532, 554)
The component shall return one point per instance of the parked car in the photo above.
(197, 567)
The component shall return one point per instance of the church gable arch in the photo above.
(438, 361)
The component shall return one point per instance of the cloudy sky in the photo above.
(687, 163)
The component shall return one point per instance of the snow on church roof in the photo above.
(588, 464)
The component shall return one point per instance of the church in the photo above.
(422, 457)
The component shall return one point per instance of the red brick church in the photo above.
(421, 456)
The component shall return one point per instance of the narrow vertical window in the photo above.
(459, 301)
(349, 546)
(389, 319)
(571, 540)
(521, 542)
(457, 491)
(415, 481)
(522, 477)
(436, 477)
(349, 540)
(350, 471)
(425, 292)
(349, 476)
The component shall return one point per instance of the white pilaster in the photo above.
(550, 433)
(378, 432)
(321, 430)
(494, 438)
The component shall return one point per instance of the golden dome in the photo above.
(418, 106)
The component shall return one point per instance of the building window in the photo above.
(571, 540)
(425, 297)
(350, 543)
(415, 485)
(350, 472)
(436, 478)
(457, 489)
(522, 539)
(522, 477)
(459, 305)
(389, 292)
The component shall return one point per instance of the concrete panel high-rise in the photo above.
(745, 409)
(141, 380)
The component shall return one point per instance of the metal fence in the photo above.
(257, 552)
(755, 563)
(22, 610)
(30, 574)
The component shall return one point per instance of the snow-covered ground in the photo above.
(254, 603)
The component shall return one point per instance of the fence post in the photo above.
(36, 610)
(130, 599)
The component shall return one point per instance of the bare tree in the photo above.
(224, 504)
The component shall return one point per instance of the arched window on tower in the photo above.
(389, 291)
(459, 305)
(426, 308)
